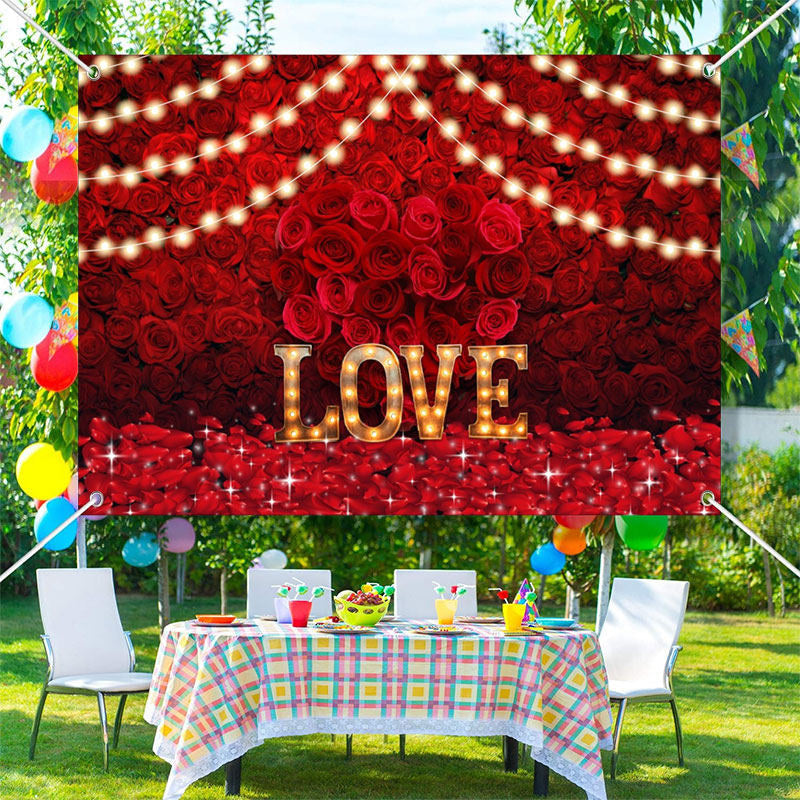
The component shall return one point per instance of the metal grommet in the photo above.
(709, 70)
(96, 499)
(707, 497)
(93, 72)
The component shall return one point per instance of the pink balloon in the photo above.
(94, 517)
(72, 490)
(178, 535)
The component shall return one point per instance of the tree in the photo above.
(786, 392)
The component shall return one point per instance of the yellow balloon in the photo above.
(42, 473)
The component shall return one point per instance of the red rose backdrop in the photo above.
(471, 285)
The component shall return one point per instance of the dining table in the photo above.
(219, 691)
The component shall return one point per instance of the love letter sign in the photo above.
(399, 285)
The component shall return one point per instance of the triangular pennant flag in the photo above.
(65, 324)
(738, 146)
(525, 589)
(65, 138)
(738, 333)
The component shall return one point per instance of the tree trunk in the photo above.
(768, 584)
(502, 574)
(782, 590)
(666, 570)
(574, 606)
(223, 591)
(567, 601)
(163, 589)
(604, 578)
(542, 582)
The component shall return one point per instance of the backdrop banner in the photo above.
(399, 285)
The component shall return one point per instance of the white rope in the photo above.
(707, 499)
(710, 69)
(95, 500)
(92, 71)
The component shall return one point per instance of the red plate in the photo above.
(216, 619)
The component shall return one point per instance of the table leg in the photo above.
(541, 779)
(233, 777)
(510, 754)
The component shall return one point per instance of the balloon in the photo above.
(25, 133)
(94, 517)
(546, 560)
(42, 472)
(273, 559)
(642, 533)
(25, 319)
(568, 540)
(575, 522)
(55, 185)
(178, 535)
(141, 550)
(49, 517)
(57, 372)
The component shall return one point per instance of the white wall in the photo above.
(766, 427)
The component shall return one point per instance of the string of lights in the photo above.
(539, 123)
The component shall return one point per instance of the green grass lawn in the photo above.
(736, 681)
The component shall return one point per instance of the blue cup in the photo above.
(282, 610)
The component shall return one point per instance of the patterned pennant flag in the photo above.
(521, 597)
(738, 146)
(65, 324)
(65, 137)
(738, 333)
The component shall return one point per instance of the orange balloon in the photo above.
(568, 540)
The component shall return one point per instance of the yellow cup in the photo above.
(513, 614)
(446, 610)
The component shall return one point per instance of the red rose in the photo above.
(189, 189)
(336, 293)
(212, 118)
(148, 199)
(505, 275)
(121, 330)
(329, 203)
(499, 229)
(372, 212)
(705, 351)
(434, 176)
(421, 222)
(632, 343)
(572, 285)
(620, 390)
(460, 202)
(537, 294)
(457, 248)
(289, 276)
(192, 330)
(360, 330)
(237, 324)
(224, 246)
(161, 381)
(379, 174)
(234, 367)
(657, 388)
(544, 252)
(385, 255)
(379, 298)
(293, 230)
(304, 318)
(158, 341)
(401, 330)
(334, 247)
(579, 386)
(497, 319)
(172, 284)
(329, 356)
(428, 274)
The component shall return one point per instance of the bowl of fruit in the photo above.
(367, 606)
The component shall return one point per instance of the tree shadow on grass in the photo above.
(776, 649)
(748, 692)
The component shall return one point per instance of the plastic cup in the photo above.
(513, 614)
(282, 610)
(300, 611)
(446, 610)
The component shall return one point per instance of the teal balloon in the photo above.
(25, 319)
(49, 516)
(642, 533)
(25, 133)
(141, 550)
(547, 560)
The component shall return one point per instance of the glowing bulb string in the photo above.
(694, 66)
(102, 122)
(186, 233)
(710, 69)
(234, 142)
(669, 249)
(92, 71)
(647, 109)
(615, 163)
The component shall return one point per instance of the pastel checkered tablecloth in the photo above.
(217, 692)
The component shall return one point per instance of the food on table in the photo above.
(365, 606)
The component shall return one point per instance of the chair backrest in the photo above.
(643, 623)
(414, 596)
(81, 619)
(261, 594)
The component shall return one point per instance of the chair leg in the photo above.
(678, 732)
(617, 733)
(101, 707)
(348, 753)
(333, 737)
(118, 720)
(36, 720)
(541, 779)
(403, 746)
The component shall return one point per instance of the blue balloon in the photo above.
(25, 133)
(547, 560)
(49, 516)
(141, 550)
(25, 319)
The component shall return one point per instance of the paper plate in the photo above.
(556, 623)
(440, 630)
(480, 620)
(332, 627)
(237, 623)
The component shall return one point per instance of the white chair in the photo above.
(639, 641)
(414, 597)
(87, 651)
(262, 591)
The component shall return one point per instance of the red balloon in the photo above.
(575, 522)
(58, 372)
(54, 186)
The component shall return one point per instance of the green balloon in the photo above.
(642, 533)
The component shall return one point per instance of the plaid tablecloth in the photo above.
(218, 692)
